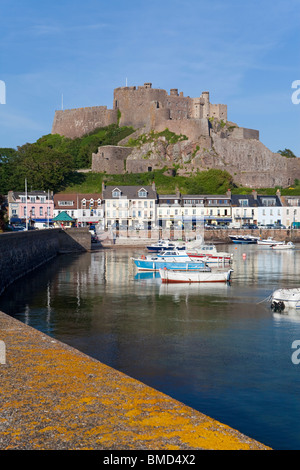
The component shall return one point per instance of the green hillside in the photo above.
(53, 163)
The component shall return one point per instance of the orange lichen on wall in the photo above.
(54, 397)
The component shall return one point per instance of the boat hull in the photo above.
(211, 259)
(155, 265)
(243, 240)
(179, 277)
(288, 246)
(283, 299)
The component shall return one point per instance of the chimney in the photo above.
(153, 185)
(228, 193)
(254, 194)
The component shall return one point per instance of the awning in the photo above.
(63, 217)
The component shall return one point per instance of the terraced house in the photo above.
(189, 211)
(129, 206)
(85, 209)
(34, 208)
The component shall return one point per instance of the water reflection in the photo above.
(219, 348)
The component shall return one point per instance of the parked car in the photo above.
(250, 226)
(280, 226)
(94, 238)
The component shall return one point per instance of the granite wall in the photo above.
(74, 123)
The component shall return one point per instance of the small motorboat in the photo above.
(211, 253)
(172, 276)
(174, 259)
(283, 299)
(284, 246)
(269, 242)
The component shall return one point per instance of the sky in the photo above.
(72, 53)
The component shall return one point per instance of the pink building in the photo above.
(36, 208)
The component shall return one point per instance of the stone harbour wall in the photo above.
(22, 252)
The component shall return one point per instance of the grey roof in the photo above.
(277, 200)
(252, 201)
(130, 192)
(17, 194)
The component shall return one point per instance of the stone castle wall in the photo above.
(110, 159)
(139, 107)
(74, 123)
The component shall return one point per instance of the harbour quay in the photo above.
(53, 397)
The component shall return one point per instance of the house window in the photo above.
(243, 202)
(23, 199)
(116, 193)
(65, 203)
(142, 193)
(41, 211)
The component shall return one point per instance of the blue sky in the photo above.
(246, 54)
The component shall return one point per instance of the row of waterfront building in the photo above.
(126, 207)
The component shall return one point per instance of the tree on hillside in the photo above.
(44, 168)
(8, 161)
(287, 153)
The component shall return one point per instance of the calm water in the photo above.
(219, 349)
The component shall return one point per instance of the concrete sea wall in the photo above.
(54, 397)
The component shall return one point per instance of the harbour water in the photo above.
(217, 348)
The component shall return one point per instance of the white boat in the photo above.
(269, 241)
(284, 246)
(173, 276)
(210, 253)
(282, 299)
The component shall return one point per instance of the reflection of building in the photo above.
(86, 209)
(34, 206)
(129, 206)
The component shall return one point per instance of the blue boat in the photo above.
(170, 259)
(162, 245)
(243, 239)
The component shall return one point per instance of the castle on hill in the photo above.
(143, 107)
(211, 141)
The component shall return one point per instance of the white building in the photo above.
(129, 206)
